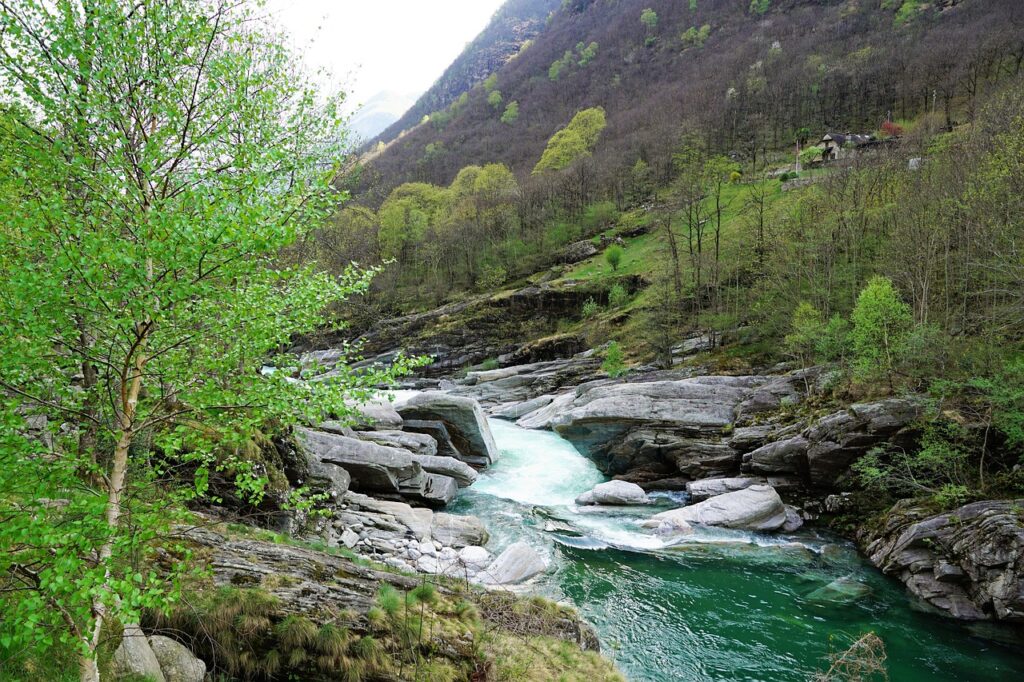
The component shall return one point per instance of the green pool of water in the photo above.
(723, 605)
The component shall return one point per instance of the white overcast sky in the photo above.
(375, 45)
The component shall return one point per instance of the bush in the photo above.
(591, 308)
(617, 296)
(511, 114)
(613, 255)
(614, 360)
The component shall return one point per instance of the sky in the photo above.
(371, 46)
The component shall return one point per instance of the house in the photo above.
(835, 145)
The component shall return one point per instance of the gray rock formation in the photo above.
(613, 493)
(462, 473)
(416, 443)
(464, 420)
(458, 531)
(968, 563)
(705, 488)
(758, 507)
(177, 663)
(517, 563)
(135, 658)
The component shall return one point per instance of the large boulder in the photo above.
(758, 507)
(437, 490)
(706, 488)
(134, 657)
(177, 663)
(517, 563)
(967, 563)
(464, 420)
(418, 521)
(373, 468)
(577, 251)
(613, 493)
(458, 531)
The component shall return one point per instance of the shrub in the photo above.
(613, 255)
(890, 129)
(511, 114)
(649, 18)
(494, 99)
(806, 329)
(614, 360)
(617, 296)
(492, 277)
(590, 308)
(735, 177)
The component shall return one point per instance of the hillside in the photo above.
(748, 76)
(516, 22)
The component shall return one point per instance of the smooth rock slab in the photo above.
(707, 488)
(614, 493)
(517, 563)
(464, 419)
(458, 531)
(758, 507)
(463, 474)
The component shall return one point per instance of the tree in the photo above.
(172, 151)
(494, 99)
(574, 141)
(649, 18)
(806, 331)
(613, 255)
(614, 360)
(881, 325)
(511, 114)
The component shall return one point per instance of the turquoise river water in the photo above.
(719, 605)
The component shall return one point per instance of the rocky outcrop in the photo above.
(967, 563)
(613, 493)
(823, 452)
(577, 251)
(464, 420)
(758, 507)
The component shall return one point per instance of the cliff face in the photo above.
(516, 22)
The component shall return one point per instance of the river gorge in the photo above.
(718, 604)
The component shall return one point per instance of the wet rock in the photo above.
(613, 493)
(462, 473)
(758, 507)
(464, 420)
(840, 591)
(968, 563)
(177, 663)
(458, 531)
(517, 563)
(134, 657)
(705, 488)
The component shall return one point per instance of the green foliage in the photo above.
(881, 325)
(559, 66)
(759, 6)
(693, 5)
(574, 141)
(494, 99)
(406, 215)
(807, 327)
(617, 296)
(906, 12)
(810, 155)
(649, 18)
(389, 600)
(491, 82)
(591, 308)
(613, 256)
(614, 360)
(173, 154)
(695, 37)
(586, 54)
(511, 113)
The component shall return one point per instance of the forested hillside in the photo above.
(514, 24)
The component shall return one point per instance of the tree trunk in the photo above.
(88, 669)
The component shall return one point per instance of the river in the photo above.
(721, 605)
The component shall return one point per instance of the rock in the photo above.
(967, 563)
(518, 410)
(782, 457)
(577, 251)
(458, 531)
(135, 657)
(418, 521)
(437, 432)
(349, 538)
(419, 444)
(614, 493)
(438, 490)
(464, 420)
(840, 591)
(177, 663)
(475, 558)
(373, 468)
(463, 474)
(758, 507)
(517, 563)
(710, 487)
(793, 520)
